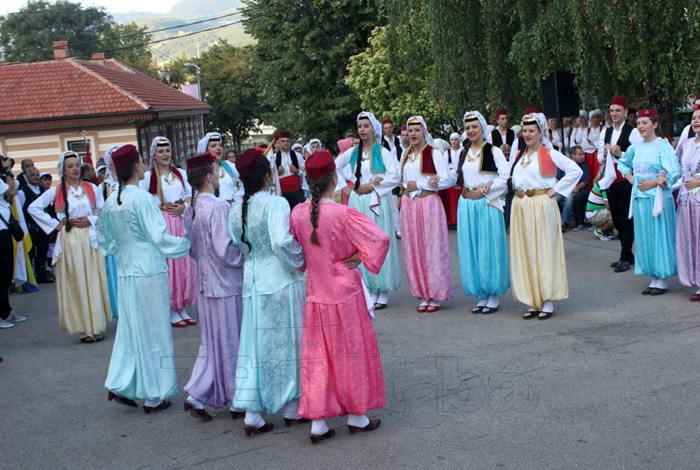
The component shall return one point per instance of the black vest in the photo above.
(398, 149)
(292, 156)
(624, 140)
(488, 164)
(498, 140)
(691, 133)
(29, 197)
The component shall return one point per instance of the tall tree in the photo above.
(228, 85)
(127, 44)
(301, 57)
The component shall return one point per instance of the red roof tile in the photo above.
(69, 88)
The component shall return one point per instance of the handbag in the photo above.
(14, 228)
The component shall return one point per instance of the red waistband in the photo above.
(290, 183)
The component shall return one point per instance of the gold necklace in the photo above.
(525, 163)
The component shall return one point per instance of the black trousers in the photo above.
(619, 199)
(580, 201)
(7, 263)
(294, 198)
(37, 255)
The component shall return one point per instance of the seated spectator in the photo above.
(598, 212)
(576, 202)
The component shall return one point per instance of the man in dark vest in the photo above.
(288, 163)
(393, 144)
(22, 178)
(40, 240)
(502, 137)
(613, 143)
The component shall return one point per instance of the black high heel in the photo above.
(315, 439)
(165, 404)
(288, 422)
(111, 396)
(373, 424)
(197, 412)
(267, 427)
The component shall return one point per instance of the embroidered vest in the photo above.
(88, 188)
(153, 184)
(624, 140)
(497, 139)
(427, 164)
(292, 156)
(376, 163)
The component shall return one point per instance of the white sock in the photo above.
(662, 284)
(291, 409)
(174, 316)
(434, 303)
(424, 303)
(374, 296)
(236, 410)
(482, 303)
(697, 292)
(319, 427)
(254, 420)
(493, 301)
(548, 306)
(383, 298)
(198, 405)
(184, 316)
(358, 421)
(153, 403)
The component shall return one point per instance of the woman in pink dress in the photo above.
(342, 369)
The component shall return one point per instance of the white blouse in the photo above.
(473, 179)
(230, 189)
(451, 166)
(529, 177)
(173, 189)
(411, 172)
(390, 179)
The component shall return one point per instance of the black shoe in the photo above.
(657, 291)
(622, 266)
(614, 264)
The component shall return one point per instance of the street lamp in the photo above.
(198, 71)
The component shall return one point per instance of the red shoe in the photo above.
(432, 308)
(179, 324)
(190, 321)
(196, 412)
(373, 424)
(163, 406)
(422, 308)
(315, 439)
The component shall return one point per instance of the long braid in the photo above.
(403, 165)
(124, 174)
(358, 167)
(197, 179)
(119, 194)
(252, 182)
(68, 226)
(462, 157)
(318, 188)
(160, 186)
(511, 190)
(244, 216)
(192, 204)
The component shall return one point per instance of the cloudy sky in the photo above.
(113, 6)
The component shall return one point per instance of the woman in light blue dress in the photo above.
(274, 297)
(652, 167)
(132, 227)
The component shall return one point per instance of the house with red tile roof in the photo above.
(52, 106)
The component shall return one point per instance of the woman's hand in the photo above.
(347, 190)
(475, 194)
(353, 261)
(629, 177)
(377, 181)
(365, 189)
(551, 193)
(412, 186)
(60, 226)
(692, 183)
(175, 209)
(646, 185)
(80, 222)
(661, 181)
(433, 181)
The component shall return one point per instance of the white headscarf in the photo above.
(297, 147)
(541, 121)
(455, 135)
(63, 157)
(598, 112)
(108, 163)
(204, 141)
(428, 138)
(481, 119)
(317, 141)
(376, 125)
(582, 112)
(153, 149)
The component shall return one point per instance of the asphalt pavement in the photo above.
(610, 382)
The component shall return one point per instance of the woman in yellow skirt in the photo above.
(81, 274)
(537, 264)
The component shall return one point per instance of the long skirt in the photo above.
(688, 245)
(450, 200)
(112, 282)
(341, 366)
(214, 372)
(426, 248)
(537, 262)
(655, 238)
(591, 160)
(270, 349)
(389, 277)
(81, 285)
(182, 272)
(483, 251)
(142, 365)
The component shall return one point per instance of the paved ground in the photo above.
(611, 381)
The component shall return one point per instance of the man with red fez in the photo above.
(688, 132)
(612, 145)
(288, 162)
(502, 137)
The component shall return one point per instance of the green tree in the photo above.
(127, 44)
(301, 60)
(228, 85)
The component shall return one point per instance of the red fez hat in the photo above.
(538, 110)
(696, 107)
(387, 121)
(197, 161)
(403, 128)
(501, 112)
(249, 161)
(529, 111)
(650, 113)
(124, 155)
(619, 100)
(284, 135)
(320, 164)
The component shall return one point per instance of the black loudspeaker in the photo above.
(559, 95)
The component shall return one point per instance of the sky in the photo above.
(112, 6)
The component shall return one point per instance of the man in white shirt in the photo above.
(395, 148)
(405, 141)
(288, 162)
(501, 136)
(7, 251)
(555, 135)
(612, 144)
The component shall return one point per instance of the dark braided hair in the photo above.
(197, 179)
(462, 157)
(252, 182)
(318, 188)
(68, 225)
(358, 168)
(124, 174)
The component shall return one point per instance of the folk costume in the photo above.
(375, 163)
(537, 262)
(393, 145)
(219, 302)
(290, 183)
(589, 144)
(132, 228)
(108, 186)
(450, 196)
(342, 373)
(687, 234)
(481, 231)
(230, 186)
(426, 248)
(273, 305)
(654, 211)
(182, 273)
(81, 275)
